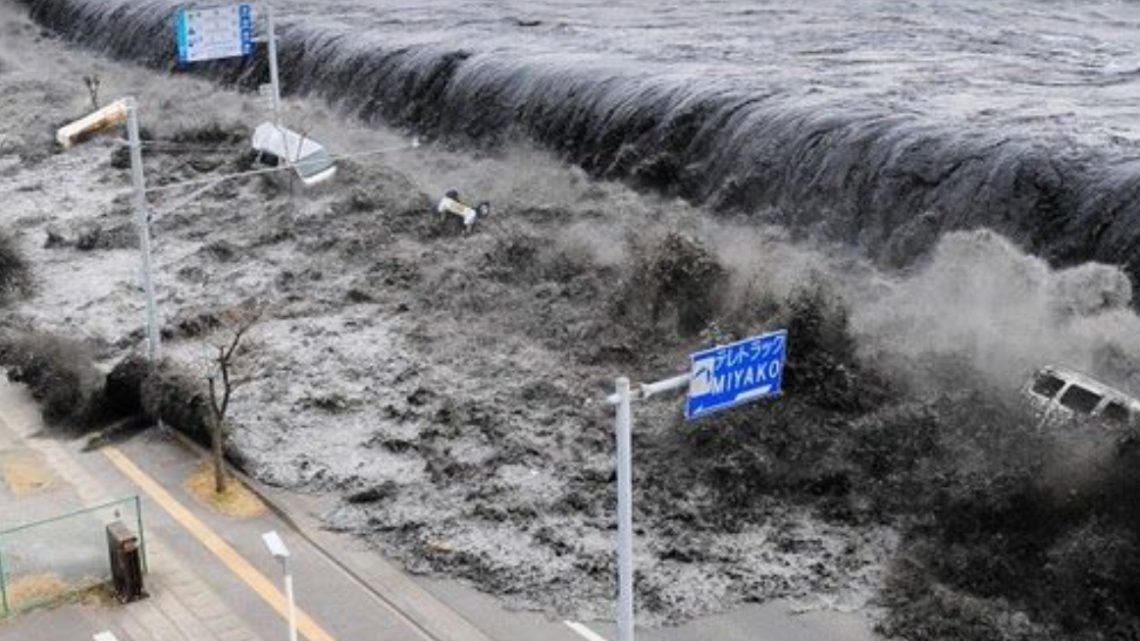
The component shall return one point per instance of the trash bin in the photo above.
(126, 562)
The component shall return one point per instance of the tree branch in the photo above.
(213, 396)
(241, 321)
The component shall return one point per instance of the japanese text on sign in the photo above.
(728, 375)
(214, 32)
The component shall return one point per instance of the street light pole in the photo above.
(281, 553)
(142, 222)
(111, 115)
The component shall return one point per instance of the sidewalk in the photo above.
(43, 479)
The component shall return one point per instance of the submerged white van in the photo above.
(275, 144)
(1059, 394)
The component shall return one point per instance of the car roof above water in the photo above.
(1086, 381)
(283, 142)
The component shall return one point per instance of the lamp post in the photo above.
(281, 553)
(142, 222)
(126, 110)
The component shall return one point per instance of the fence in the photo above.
(53, 559)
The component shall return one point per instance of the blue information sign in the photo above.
(208, 33)
(728, 375)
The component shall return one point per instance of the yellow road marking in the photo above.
(237, 564)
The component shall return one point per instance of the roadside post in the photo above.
(210, 33)
(719, 378)
(277, 548)
(113, 115)
(274, 78)
(625, 509)
(142, 222)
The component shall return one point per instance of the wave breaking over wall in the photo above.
(889, 183)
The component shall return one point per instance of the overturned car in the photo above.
(1058, 395)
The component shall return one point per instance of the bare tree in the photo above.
(223, 379)
(92, 83)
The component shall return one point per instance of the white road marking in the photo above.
(585, 632)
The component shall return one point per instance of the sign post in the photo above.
(210, 33)
(719, 378)
(624, 429)
(274, 78)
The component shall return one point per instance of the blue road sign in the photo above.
(208, 33)
(728, 375)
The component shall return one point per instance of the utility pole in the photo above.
(142, 221)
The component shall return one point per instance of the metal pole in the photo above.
(143, 223)
(275, 86)
(142, 533)
(625, 510)
(4, 585)
(274, 80)
(680, 381)
(292, 606)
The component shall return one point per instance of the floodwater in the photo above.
(894, 131)
(1061, 68)
(881, 125)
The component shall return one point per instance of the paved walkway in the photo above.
(43, 479)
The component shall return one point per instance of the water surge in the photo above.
(888, 181)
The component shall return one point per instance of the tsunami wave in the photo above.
(889, 182)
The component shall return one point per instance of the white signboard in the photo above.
(209, 33)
